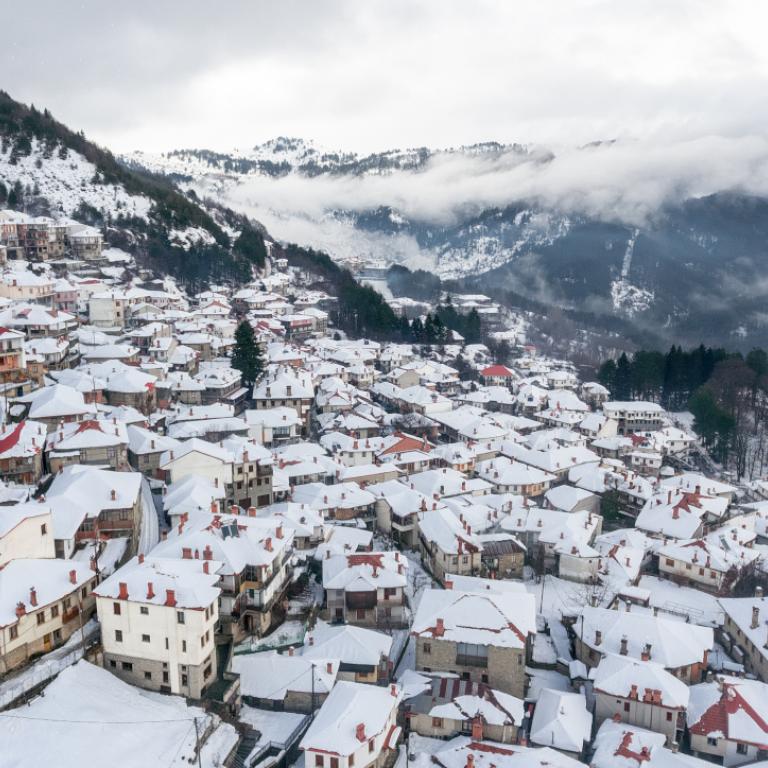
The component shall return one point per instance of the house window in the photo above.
(14, 633)
(144, 611)
(472, 655)
(54, 611)
(165, 677)
(670, 561)
(113, 664)
(116, 609)
(127, 666)
(742, 748)
(184, 680)
(180, 617)
(371, 745)
(118, 636)
(41, 617)
(427, 648)
(334, 762)
(183, 646)
(626, 706)
(43, 529)
(318, 761)
(145, 638)
(147, 675)
(437, 722)
(712, 741)
(669, 717)
(84, 592)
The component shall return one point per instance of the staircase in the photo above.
(247, 744)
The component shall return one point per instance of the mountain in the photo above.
(48, 169)
(686, 265)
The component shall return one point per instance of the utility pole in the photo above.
(313, 689)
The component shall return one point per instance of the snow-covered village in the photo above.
(233, 535)
(383, 384)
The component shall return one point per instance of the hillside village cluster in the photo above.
(367, 561)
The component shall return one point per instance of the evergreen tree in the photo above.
(623, 385)
(417, 331)
(247, 357)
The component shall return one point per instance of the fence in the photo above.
(39, 673)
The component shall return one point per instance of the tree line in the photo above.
(726, 392)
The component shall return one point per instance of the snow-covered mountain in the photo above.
(605, 230)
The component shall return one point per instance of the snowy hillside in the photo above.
(67, 180)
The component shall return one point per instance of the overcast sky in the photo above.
(375, 74)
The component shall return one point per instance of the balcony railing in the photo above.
(463, 660)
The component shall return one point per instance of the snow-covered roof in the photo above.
(501, 620)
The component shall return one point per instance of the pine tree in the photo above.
(247, 357)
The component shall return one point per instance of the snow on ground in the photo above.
(561, 597)
(544, 651)
(89, 717)
(288, 633)
(68, 182)
(190, 236)
(48, 665)
(110, 556)
(545, 678)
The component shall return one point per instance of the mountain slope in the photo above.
(687, 263)
(46, 168)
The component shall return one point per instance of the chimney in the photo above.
(360, 732)
(279, 531)
(311, 640)
(439, 628)
(92, 564)
(477, 729)
(251, 511)
(470, 761)
(20, 610)
(755, 616)
(393, 690)
(268, 544)
(150, 591)
(646, 654)
(623, 650)
(123, 593)
(73, 576)
(214, 507)
(674, 746)
(759, 592)
(113, 495)
(234, 510)
(33, 597)
(290, 650)
(207, 552)
(598, 637)
(448, 584)
(329, 667)
(633, 691)
(170, 597)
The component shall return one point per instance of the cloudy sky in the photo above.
(374, 74)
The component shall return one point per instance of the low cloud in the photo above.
(624, 181)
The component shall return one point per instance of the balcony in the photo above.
(465, 660)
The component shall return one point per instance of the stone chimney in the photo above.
(439, 628)
(755, 616)
(598, 637)
(624, 643)
(123, 591)
(113, 495)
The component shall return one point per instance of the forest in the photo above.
(726, 392)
